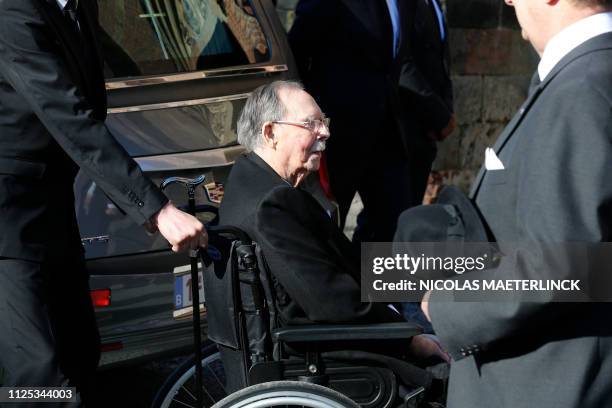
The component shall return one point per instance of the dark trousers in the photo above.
(387, 181)
(48, 332)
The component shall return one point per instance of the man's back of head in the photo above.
(541, 20)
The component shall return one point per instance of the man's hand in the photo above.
(443, 134)
(452, 124)
(425, 305)
(183, 231)
(425, 346)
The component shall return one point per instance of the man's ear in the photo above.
(268, 134)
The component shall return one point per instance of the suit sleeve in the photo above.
(423, 99)
(307, 265)
(29, 62)
(414, 85)
(564, 195)
(308, 32)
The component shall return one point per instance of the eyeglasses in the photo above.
(314, 125)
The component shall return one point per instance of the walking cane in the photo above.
(191, 185)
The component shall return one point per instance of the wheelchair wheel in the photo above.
(287, 394)
(178, 391)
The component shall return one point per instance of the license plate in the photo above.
(182, 290)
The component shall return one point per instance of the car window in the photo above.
(153, 37)
(203, 126)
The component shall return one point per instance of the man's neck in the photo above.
(568, 15)
(572, 36)
(279, 168)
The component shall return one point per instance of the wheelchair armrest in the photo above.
(344, 332)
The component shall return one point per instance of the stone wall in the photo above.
(491, 68)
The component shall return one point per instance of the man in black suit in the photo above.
(546, 181)
(52, 111)
(315, 268)
(355, 58)
(348, 54)
(296, 235)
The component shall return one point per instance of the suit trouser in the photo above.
(387, 181)
(48, 332)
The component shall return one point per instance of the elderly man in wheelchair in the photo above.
(285, 305)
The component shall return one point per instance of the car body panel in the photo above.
(173, 124)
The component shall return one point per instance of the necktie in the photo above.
(394, 13)
(70, 11)
(534, 83)
(440, 16)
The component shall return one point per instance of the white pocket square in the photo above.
(492, 162)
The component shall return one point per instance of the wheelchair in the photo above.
(260, 364)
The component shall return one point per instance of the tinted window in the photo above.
(201, 127)
(152, 37)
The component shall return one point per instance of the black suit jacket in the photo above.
(344, 53)
(52, 108)
(313, 265)
(426, 90)
(555, 188)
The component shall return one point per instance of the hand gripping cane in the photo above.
(191, 185)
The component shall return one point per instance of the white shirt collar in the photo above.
(571, 37)
(62, 4)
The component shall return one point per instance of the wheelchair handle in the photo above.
(193, 182)
(191, 185)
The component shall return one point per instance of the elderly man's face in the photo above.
(298, 148)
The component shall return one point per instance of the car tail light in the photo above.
(101, 297)
(111, 346)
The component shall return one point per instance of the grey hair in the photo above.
(263, 105)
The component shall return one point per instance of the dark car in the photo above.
(178, 73)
